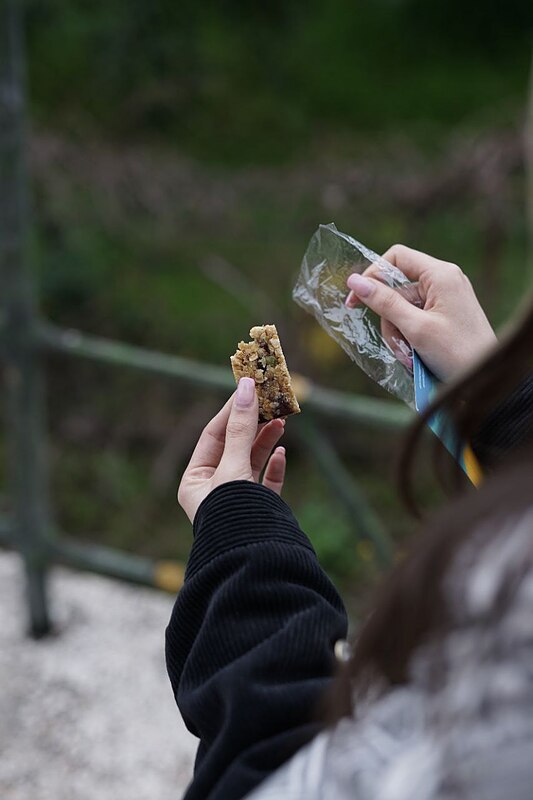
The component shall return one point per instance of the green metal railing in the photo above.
(25, 342)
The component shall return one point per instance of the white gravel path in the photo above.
(89, 714)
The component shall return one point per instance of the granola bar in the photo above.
(262, 359)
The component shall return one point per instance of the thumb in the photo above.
(241, 430)
(387, 303)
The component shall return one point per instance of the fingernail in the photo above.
(362, 287)
(245, 392)
(352, 300)
(280, 450)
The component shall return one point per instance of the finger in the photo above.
(210, 447)
(411, 291)
(387, 303)
(390, 332)
(266, 439)
(372, 271)
(397, 343)
(275, 471)
(412, 262)
(241, 429)
(352, 300)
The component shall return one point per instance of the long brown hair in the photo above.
(410, 606)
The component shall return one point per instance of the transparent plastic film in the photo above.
(372, 342)
(375, 345)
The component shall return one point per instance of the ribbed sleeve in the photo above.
(250, 642)
(508, 427)
(223, 521)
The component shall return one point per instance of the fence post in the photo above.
(364, 521)
(23, 375)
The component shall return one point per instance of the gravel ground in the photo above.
(88, 713)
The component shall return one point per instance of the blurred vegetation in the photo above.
(183, 154)
(242, 82)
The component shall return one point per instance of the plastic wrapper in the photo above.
(373, 343)
(321, 289)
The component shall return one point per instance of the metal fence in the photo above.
(26, 340)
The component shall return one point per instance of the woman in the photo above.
(444, 658)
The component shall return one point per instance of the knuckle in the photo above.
(418, 332)
(389, 302)
(373, 271)
(454, 271)
(423, 331)
(466, 283)
(210, 432)
(237, 428)
(397, 251)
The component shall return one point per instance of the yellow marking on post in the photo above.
(365, 550)
(301, 387)
(323, 348)
(169, 576)
(472, 466)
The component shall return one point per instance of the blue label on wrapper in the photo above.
(426, 386)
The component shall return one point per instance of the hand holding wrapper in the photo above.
(374, 343)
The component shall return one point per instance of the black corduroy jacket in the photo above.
(250, 642)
